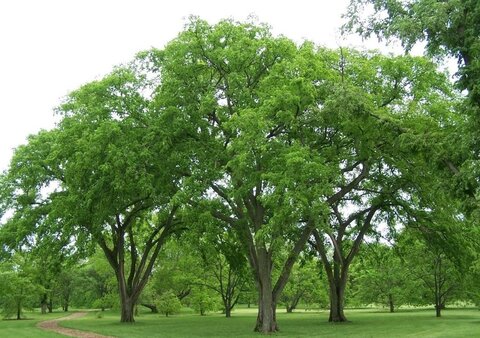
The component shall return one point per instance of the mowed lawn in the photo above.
(363, 323)
(26, 328)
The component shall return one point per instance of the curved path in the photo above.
(52, 325)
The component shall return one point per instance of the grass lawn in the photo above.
(364, 323)
(25, 328)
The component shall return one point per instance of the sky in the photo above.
(51, 47)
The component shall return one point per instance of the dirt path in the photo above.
(52, 325)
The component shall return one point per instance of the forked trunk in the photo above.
(293, 305)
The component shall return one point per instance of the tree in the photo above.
(378, 101)
(17, 288)
(203, 300)
(303, 285)
(380, 277)
(242, 90)
(448, 28)
(440, 275)
(168, 303)
(177, 271)
(224, 267)
(108, 174)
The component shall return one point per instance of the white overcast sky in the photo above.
(51, 47)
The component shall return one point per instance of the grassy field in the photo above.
(25, 328)
(364, 323)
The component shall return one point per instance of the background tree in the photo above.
(176, 271)
(381, 277)
(304, 286)
(95, 285)
(18, 290)
(434, 267)
(168, 303)
(224, 266)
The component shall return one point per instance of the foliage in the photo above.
(18, 290)
(440, 278)
(448, 28)
(304, 286)
(380, 277)
(203, 300)
(168, 303)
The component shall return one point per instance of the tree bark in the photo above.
(43, 304)
(19, 310)
(337, 300)
(390, 303)
(266, 317)
(127, 309)
(152, 307)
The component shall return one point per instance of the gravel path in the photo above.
(52, 325)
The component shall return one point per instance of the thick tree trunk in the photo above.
(390, 303)
(266, 318)
(127, 307)
(438, 310)
(337, 298)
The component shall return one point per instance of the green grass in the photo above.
(363, 323)
(25, 328)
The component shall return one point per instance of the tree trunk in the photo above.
(337, 298)
(228, 311)
(390, 303)
(127, 308)
(293, 305)
(50, 306)
(43, 304)
(438, 310)
(152, 307)
(19, 310)
(266, 318)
